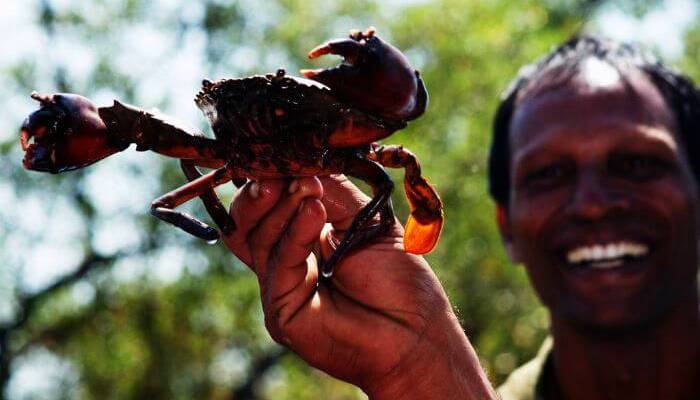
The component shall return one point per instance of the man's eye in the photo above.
(548, 175)
(639, 167)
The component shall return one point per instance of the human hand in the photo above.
(382, 322)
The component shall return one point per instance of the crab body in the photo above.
(278, 125)
(266, 126)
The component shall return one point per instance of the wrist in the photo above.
(443, 366)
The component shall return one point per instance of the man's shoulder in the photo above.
(522, 383)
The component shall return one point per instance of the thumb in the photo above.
(342, 200)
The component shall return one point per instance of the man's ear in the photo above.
(506, 235)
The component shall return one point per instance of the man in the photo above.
(593, 168)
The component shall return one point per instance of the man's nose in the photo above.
(594, 197)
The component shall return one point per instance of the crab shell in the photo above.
(280, 125)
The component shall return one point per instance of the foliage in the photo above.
(691, 60)
(143, 311)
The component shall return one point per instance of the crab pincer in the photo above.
(66, 133)
(425, 222)
(374, 77)
(377, 78)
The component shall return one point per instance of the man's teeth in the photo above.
(606, 256)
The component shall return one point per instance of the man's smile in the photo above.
(617, 248)
(606, 255)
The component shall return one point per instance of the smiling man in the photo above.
(593, 174)
(593, 167)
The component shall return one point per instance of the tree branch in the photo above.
(28, 305)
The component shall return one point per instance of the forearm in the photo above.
(447, 368)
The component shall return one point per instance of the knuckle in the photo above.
(238, 242)
(276, 227)
(272, 330)
(273, 327)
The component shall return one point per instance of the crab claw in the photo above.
(374, 77)
(66, 133)
(424, 224)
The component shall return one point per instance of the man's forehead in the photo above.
(595, 93)
(589, 74)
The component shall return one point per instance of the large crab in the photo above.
(267, 126)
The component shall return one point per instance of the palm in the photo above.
(371, 314)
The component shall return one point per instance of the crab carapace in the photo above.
(267, 126)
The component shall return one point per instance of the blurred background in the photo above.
(99, 300)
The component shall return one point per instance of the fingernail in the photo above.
(294, 186)
(254, 190)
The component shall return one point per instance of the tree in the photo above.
(141, 310)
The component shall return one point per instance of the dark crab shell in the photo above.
(280, 125)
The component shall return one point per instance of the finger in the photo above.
(271, 229)
(342, 200)
(250, 204)
(292, 276)
(302, 234)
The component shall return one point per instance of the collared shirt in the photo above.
(531, 381)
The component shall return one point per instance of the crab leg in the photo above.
(129, 124)
(163, 207)
(425, 222)
(211, 163)
(68, 132)
(211, 201)
(359, 232)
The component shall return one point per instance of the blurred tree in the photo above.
(138, 309)
(691, 60)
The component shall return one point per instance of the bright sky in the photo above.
(662, 28)
(111, 190)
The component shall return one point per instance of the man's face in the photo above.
(602, 207)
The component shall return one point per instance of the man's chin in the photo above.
(617, 317)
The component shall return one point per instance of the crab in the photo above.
(266, 126)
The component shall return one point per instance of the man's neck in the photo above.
(659, 362)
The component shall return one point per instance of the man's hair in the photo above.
(559, 66)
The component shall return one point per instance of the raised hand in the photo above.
(382, 322)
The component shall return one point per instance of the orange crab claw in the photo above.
(66, 133)
(425, 222)
(374, 77)
(424, 225)
(421, 237)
